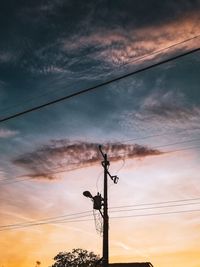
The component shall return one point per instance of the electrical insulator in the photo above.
(97, 202)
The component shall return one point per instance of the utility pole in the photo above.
(103, 202)
(105, 165)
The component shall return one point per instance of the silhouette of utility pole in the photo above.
(103, 202)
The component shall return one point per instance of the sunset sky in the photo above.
(147, 123)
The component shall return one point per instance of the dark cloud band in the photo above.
(63, 155)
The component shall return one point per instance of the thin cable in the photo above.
(182, 149)
(165, 152)
(38, 224)
(161, 50)
(47, 219)
(154, 214)
(156, 203)
(121, 65)
(30, 178)
(179, 142)
(97, 181)
(154, 135)
(99, 85)
(42, 223)
(89, 213)
(116, 217)
(156, 207)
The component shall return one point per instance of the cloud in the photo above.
(162, 109)
(63, 155)
(117, 46)
(170, 105)
(6, 133)
(5, 57)
(91, 42)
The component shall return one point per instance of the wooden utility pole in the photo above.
(105, 261)
(100, 202)
(105, 164)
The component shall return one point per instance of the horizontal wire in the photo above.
(44, 223)
(114, 217)
(183, 149)
(154, 214)
(124, 141)
(62, 221)
(61, 218)
(41, 223)
(159, 207)
(157, 203)
(124, 154)
(46, 219)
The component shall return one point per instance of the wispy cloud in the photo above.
(105, 45)
(116, 46)
(5, 57)
(7, 133)
(63, 155)
(162, 109)
(170, 105)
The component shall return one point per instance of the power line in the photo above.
(49, 219)
(121, 65)
(156, 207)
(99, 85)
(183, 149)
(161, 50)
(24, 225)
(42, 174)
(157, 203)
(44, 223)
(154, 135)
(154, 214)
(169, 151)
(179, 142)
(114, 217)
(40, 224)
(73, 216)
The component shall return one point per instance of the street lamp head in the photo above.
(87, 194)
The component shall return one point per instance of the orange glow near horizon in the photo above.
(168, 240)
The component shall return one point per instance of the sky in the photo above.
(147, 123)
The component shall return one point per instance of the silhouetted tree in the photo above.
(37, 263)
(76, 258)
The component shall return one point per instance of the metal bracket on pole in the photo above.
(106, 163)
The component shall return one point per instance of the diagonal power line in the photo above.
(131, 61)
(92, 88)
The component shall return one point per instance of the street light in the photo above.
(87, 194)
(97, 200)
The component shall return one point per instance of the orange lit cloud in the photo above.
(63, 155)
(120, 46)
